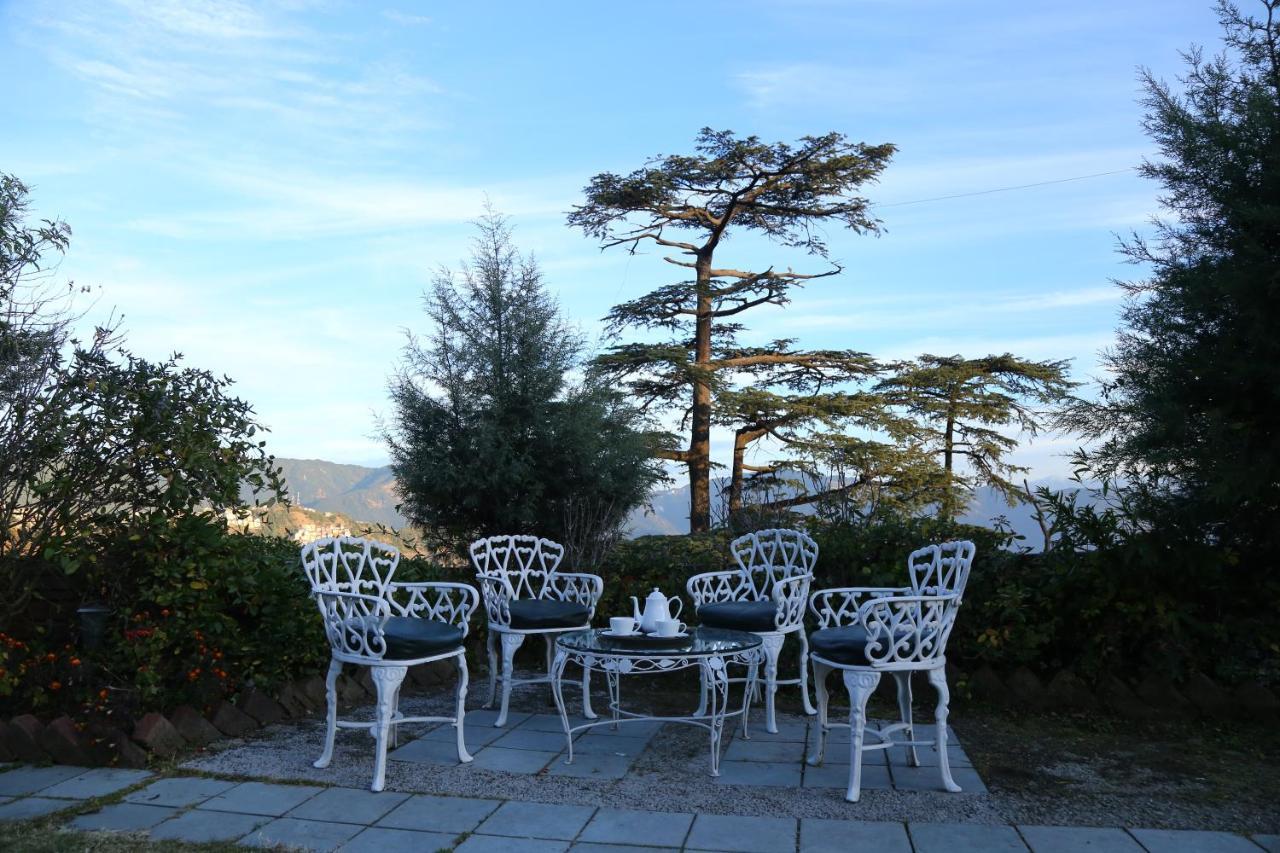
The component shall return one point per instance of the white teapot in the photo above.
(657, 608)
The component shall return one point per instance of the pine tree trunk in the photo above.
(700, 437)
(948, 459)
(735, 480)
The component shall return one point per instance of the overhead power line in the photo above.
(1007, 189)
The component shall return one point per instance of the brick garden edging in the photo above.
(98, 744)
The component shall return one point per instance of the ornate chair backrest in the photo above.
(354, 624)
(942, 568)
(768, 556)
(524, 564)
(349, 564)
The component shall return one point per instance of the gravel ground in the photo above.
(1039, 770)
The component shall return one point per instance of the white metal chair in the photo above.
(372, 621)
(525, 593)
(765, 595)
(866, 631)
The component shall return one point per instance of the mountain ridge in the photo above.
(368, 494)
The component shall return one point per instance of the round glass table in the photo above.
(712, 650)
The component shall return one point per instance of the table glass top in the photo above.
(701, 641)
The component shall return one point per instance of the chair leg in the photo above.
(460, 709)
(804, 674)
(772, 648)
(510, 642)
(387, 679)
(395, 714)
(938, 678)
(331, 714)
(860, 684)
(820, 673)
(491, 645)
(903, 678)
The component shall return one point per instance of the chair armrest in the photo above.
(442, 601)
(497, 595)
(790, 594)
(721, 586)
(840, 606)
(579, 587)
(907, 629)
(354, 623)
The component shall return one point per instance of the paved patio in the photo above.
(310, 817)
(533, 743)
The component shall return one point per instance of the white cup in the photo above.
(668, 628)
(621, 626)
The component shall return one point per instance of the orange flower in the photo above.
(75, 661)
(55, 685)
(102, 694)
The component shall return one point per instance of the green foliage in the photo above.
(958, 405)
(91, 437)
(488, 435)
(1189, 421)
(196, 614)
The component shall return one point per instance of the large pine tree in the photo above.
(1191, 416)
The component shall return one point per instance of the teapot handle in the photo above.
(679, 605)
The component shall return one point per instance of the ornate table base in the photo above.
(710, 652)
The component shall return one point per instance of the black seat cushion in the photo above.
(740, 615)
(534, 613)
(408, 638)
(847, 645)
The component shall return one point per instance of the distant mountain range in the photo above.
(368, 494)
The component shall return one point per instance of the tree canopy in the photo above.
(690, 204)
(488, 435)
(1190, 415)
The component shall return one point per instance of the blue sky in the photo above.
(267, 187)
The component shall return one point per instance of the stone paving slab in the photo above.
(180, 791)
(513, 760)
(965, 838)
(439, 814)
(475, 736)
(348, 805)
(27, 808)
(820, 835)
(29, 780)
(1070, 839)
(930, 779)
(261, 798)
(377, 839)
(98, 782)
(500, 844)
(537, 820)
(625, 826)
(759, 773)
(774, 751)
(788, 731)
(592, 766)
(837, 776)
(735, 834)
(1192, 841)
(291, 833)
(628, 746)
(201, 827)
(1270, 843)
(123, 817)
(427, 751)
(532, 739)
(596, 847)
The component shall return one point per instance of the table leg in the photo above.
(752, 672)
(717, 705)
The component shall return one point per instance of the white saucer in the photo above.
(642, 635)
